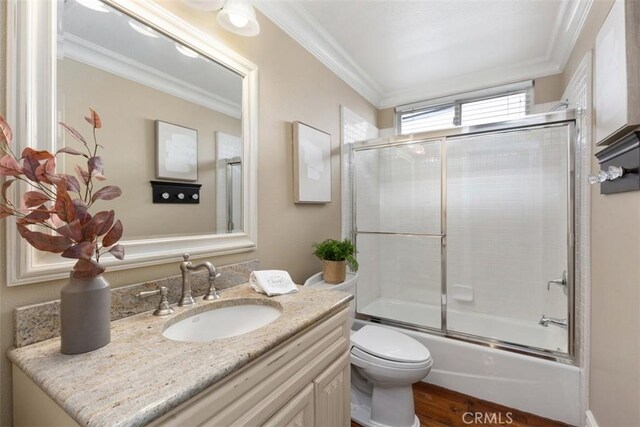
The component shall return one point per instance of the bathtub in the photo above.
(542, 387)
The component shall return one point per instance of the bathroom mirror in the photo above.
(137, 65)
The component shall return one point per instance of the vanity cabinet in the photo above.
(303, 382)
(617, 67)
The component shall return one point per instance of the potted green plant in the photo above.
(54, 216)
(335, 255)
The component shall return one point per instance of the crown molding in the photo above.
(96, 56)
(567, 29)
(299, 25)
(467, 83)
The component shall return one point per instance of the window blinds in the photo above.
(466, 110)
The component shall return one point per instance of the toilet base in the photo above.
(362, 415)
(361, 406)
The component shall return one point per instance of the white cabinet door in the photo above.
(333, 395)
(297, 413)
(610, 98)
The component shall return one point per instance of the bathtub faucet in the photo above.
(545, 321)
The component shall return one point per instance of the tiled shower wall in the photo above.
(354, 129)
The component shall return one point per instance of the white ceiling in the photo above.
(395, 52)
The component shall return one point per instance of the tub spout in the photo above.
(545, 321)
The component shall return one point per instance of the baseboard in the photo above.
(590, 420)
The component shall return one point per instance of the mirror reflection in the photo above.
(136, 77)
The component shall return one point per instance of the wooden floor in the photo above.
(439, 407)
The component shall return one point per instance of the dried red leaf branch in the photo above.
(69, 228)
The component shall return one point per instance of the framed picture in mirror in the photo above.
(311, 164)
(176, 152)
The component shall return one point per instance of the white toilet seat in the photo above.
(379, 362)
(389, 345)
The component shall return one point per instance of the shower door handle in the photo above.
(562, 282)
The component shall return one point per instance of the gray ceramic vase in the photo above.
(85, 315)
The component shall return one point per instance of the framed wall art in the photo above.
(176, 152)
(311, 164)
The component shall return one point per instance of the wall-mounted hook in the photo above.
(611, 174)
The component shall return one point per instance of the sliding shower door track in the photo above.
(393, 233)
(494, 343)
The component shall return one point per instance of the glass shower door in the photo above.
(507, 232)
(397, 226)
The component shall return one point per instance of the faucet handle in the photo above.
(164, 308)
(212, 294)
(186, 256)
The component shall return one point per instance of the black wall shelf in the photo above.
(175, 192)
(626, 154)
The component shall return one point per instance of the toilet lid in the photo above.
(389, 344)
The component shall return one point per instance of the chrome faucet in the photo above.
(187, 267)
(561, 281)
(545, 321)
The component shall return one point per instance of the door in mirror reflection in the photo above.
(133, 76)
(234, 196)
(229, 183)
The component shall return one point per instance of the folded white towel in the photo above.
(272, 282)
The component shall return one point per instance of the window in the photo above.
(469, 109)
(428, 119)
(495, 109)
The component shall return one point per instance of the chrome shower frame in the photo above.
(553, 119)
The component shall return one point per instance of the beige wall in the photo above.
(614, 389)
(548, 89)
(293, 86)
(129, 111)
(386, 118)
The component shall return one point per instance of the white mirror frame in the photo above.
(31, 110)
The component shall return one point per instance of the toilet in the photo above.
(384, 365)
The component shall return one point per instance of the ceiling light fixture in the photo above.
(236, 16)
(186, 51)
(96, 5)
(142, 29)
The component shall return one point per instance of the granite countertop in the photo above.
(141, 375)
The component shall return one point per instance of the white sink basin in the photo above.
(223, 322)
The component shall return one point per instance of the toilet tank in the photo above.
(348, 286)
